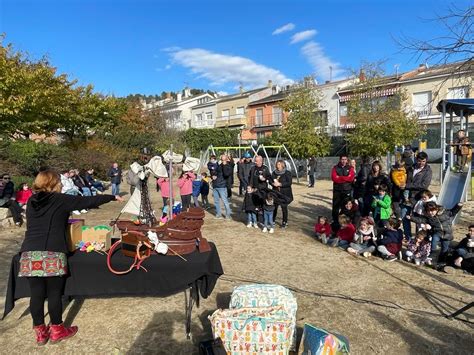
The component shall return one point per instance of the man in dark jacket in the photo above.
(243, 171)
(7, 198)
(259, 174)
(311, 171)
(342, 176)
(219, 183)
(115, 174)
(418, 179)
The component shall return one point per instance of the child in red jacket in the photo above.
(345, 235)
(322, 229)
(23, 194)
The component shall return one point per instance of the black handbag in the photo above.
(212, 347)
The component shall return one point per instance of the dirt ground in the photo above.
(381, 307)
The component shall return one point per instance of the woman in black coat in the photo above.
(281, 182)
(376, 178)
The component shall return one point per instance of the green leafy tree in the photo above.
(380, 122)
(303, 133)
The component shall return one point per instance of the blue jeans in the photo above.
(86, 191)
(268, 219)
(405, 211)
(251, 218)
(221, 193)
(461, 252)
(115, 189)
(435, 239)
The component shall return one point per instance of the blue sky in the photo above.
(124, 47)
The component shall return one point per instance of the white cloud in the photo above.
(222, 93)
(285, 28)
(321, 63)
(303, 36)
(221, 69)
(168, 66)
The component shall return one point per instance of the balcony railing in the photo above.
(232, 120)
(423, 112)
(275, 119)
(203, 123)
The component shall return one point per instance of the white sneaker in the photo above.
(264, 230)
(255, 225)
(271, 231)
(76, 212)
(84, 211)
(249, 225)
(408, 259)
(367, 254)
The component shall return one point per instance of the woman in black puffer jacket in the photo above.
(281, 182)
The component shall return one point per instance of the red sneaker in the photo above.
(42, 334)
(60, 332)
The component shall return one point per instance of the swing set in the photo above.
(260, 150)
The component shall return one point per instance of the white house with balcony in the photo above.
(204, 115)
(178, 113)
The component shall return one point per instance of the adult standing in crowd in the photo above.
(418, 179)
(311, 170)
(43, 252)
(361, 181)
(281, 182)
(259, 174)
(230, 179)
(219, 183)
(342, 176)
(115, 175)
(7, 199)
(375, 178)
(133, 180)
(244, 171)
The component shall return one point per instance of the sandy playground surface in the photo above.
(381, 307)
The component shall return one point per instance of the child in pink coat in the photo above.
(164, 184)
(185, 184)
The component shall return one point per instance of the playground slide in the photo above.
(454, 188)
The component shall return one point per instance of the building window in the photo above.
(198, 118)
(277, 116)
(209, 117)
(259, 117)
(225, 113)
(260, 135)
(461, 92)
(343, 110)
(321, 119)
(240, 110)
(422, 103)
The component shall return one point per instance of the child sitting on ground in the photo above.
(381, 206)
(23, 194)
(465, 248)
(418, 249)
(364, 241)
(268, 208)
(322, 229)
(345, 234)
(205, 191)
(438, 221)
(390, 240)
(249, 207)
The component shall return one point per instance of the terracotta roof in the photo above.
(272, 98)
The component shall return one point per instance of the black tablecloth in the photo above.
(167, 275)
